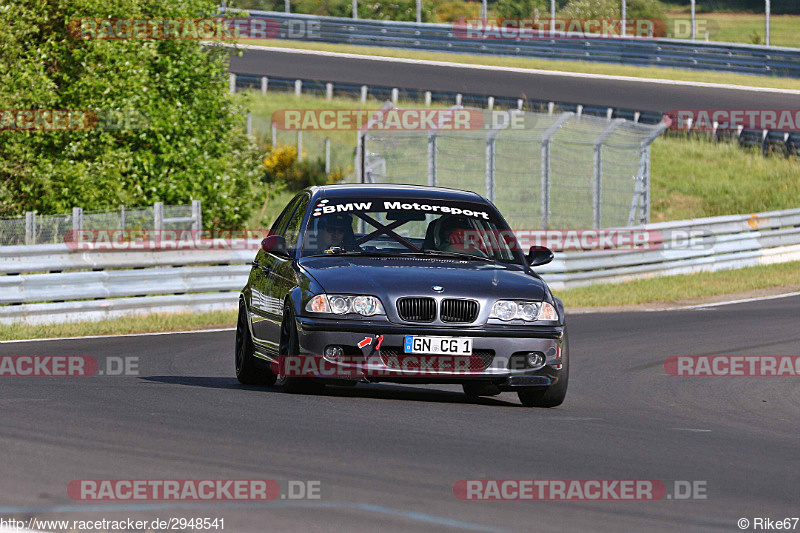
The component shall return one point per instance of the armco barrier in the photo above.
(676, 53)
(51, 283)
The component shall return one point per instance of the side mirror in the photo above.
(539, 255)
(275, 244)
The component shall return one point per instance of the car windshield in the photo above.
(401, 226)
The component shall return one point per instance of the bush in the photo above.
(518, 9)
(452, 10)
(194, 146)
(282, 169)
(643, 9)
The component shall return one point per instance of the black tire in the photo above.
(290, 346)
(553, 395)
(246, 370)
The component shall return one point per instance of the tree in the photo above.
(192, 144)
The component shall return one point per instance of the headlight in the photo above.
(521, 310)
(342, 304)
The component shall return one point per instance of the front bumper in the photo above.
(498, 346)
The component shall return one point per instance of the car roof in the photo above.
(383, 190)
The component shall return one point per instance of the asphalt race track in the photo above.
(388, 455)
(636, 95)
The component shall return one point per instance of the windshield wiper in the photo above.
(459, 255)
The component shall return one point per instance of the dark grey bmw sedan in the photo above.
(403, 284)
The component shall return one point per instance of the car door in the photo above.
(259, 301)
(281, 278)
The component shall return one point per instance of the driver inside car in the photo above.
(334, 231)
(455, 234)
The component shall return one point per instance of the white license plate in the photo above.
(438, 345)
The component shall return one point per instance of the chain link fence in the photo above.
(541, 170)
(34, 228)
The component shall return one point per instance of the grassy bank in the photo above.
(134, 324)
(670, 289)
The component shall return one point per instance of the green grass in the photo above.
(547, 64)
(741, 27)
(696, 178)
(671, 289)
(134, 324)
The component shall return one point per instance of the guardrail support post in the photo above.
(363, 91)
(432, 160)
(458, 99)
(327, 156)
(490, 103)
(329, 91)
(232, 83)
(77, 218)
(299, 145)
(264, 84)
(30, 227)
(395, 95)
(274, 134)
(158, 216)
(520, 103)
(609, 113)
(427, 98)
(249, 123)
(197, 215)
(551, 107)
(298, 87)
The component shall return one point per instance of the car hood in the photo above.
(389, 277)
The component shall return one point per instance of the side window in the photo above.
(283, 218)
(293, 227)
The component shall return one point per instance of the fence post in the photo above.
(432, 159)
(299, 145)
(122, 217)
(597, 167)
(264, 84)
(30, 227)
(197, 215)
(232, 83)
(77, 218)
(158, 216)
(249, 123)
(644, 159)
(359, 162)
(546, 137)
(327, 156)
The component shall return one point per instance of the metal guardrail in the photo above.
(110, 284)
(676, 53)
